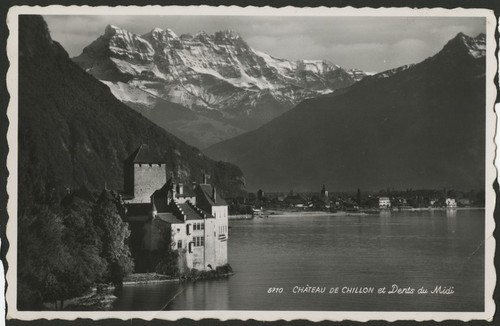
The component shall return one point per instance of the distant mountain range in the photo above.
(228, 86)
(73, 131)
(417, 126)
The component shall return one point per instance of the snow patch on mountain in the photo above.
(476, 46)
(391, 72)
(129, 94)
(358, 74)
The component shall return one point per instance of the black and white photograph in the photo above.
(265, 163)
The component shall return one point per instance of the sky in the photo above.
(373, 44)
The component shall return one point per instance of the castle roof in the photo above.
(143, 154)
(163, 191)
(206, 190)
(169, 218)
(167, 189)
(193, 213)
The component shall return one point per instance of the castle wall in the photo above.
(192, 256)
(147, 179)
(210, 243)
(198, 252)
(179, 234)
(222, 234)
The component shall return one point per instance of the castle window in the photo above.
(202, 226)
(198, 226)
(179, 244)
(199, 241)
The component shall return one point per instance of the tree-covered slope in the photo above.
(72, 130)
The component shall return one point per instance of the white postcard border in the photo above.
(12, 163)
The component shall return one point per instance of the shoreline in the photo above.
(128, 283)
(288, 213)
(313, 213)
(147, 278)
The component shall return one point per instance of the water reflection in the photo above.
(203, 295)
(385, 213)
(451, 212)
(451, 220)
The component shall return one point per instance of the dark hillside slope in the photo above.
(422, 126)
(72, 130)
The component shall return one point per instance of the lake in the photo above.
(409, 249)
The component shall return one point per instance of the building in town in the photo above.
(451, 203)
(384, 203)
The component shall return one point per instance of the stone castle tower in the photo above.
(144, 173)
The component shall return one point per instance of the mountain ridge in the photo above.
(415, 126)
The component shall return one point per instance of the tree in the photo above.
(58, 255)
(42, 258)
(113, 233)
(84, 246)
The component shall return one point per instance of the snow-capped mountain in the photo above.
(217, 75)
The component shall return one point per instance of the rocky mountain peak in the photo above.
(228, 37)
(462, 43)
(112, 30)
(38, 42)
(228, 34)
(316, 66)
(161, 35)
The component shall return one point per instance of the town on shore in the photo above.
(261, 203)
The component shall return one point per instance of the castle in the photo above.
(195, 215)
